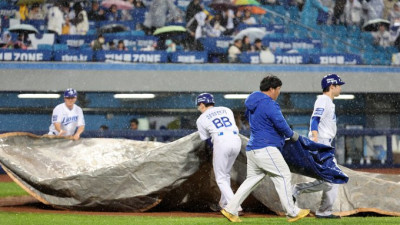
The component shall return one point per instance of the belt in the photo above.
(222, 133)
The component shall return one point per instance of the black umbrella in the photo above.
(112, 28)
(373, 25)
(222, 5)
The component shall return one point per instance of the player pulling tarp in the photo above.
(125, 175)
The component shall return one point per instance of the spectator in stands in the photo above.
(138, 4)
(23, 12)
(229, 21)
(134, 124)
(352, 13)
(394, 15)
(170, 46)
(96, 13)
(126, 14)
(382, 37)
(258, 45)
(113, 14)
(246, 45)
(6, 40)
(378, 6)
(21, 43)
(161, 12)
(388, 6)
(68, 27)
(121, 46)
(98, 43)
(326, 17)
(55, 19)
(310, 12)
(36, 12)
(193, 8)
(234, 51)
(369, 12)
(248, 18)
(216, 24)
(338, 10)
(111, 46)
(196, 28)
(80, 21)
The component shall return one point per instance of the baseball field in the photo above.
(18, 208)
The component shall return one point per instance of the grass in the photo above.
(71, 219)
(11, 189)
(13, 218)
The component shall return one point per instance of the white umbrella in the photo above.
(373, 25)
(253, 33)
(23, 28)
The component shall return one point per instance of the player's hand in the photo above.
(314, 138)
(76, 137)
(61, 133)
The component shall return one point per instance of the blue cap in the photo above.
(331, 79)
(205, 98)
(70, 93)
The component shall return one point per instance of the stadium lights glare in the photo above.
(345, 97)
(236, 96)
(39, 96)
(134, 96)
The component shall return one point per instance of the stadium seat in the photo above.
(60, 47)
(44, 47)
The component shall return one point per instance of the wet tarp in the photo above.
(126, 175)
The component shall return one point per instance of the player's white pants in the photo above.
(226, 150)
(260, 163)
(329, 190)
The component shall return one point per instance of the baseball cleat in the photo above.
(230, 216)
(303, 213)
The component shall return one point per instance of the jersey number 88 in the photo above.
(222, 122)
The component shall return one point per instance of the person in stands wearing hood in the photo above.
(269, 130)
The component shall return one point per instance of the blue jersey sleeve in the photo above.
(279, 121)
(315, 122)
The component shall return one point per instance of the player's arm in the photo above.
(204, 134)
(81, 126)
(78, 132)
(60, 131)
(280, 123)
(314, 128)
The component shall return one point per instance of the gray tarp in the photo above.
(127, 175)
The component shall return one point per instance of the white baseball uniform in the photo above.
(325, 109)
(70, 120)
(219, 124)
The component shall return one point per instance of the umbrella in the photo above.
(112, 28)
(222, 5)
(23, 28)
(253, 33)
(119, 3)
(373, 25)
(169, 30)
(247, 2)
(62, 1)
(29, 2)
(253, 9)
